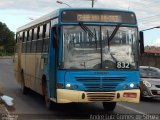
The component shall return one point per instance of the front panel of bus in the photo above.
(98, 56)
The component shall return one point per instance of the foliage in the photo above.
(7, 41)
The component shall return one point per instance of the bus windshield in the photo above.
(90, 47)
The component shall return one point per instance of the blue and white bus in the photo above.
(80, 55)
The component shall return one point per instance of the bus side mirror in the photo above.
(141, 41)
(55, 36)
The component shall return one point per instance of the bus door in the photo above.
(53, 58)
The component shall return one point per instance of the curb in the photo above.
(6, 113)
(6, 57)
(3, 112)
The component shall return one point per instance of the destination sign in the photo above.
(98, 16)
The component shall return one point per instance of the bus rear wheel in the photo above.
(109, 106)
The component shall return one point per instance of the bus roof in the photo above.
(56, 13)
(40, 20)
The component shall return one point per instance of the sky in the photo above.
(15, 13)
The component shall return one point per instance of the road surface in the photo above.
(32, 105)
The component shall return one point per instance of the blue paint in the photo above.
(86, 80)
(115, 79)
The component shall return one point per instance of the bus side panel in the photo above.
(23, 62)
(32, 70)
(16, 73)
(39, 74)
(26, 60)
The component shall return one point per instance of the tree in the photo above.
(6, 38)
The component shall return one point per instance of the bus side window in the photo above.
(55, 37)
(28, 43)
(41, 32)
(35, 33)
(20, 39)
(33, 49)
(46, 40)
(48, 30)
(40, 40)
(30, 35)
(44, 31)
(38, 29)
(23, 43)
(25, 37)
(32, 38)
(17, 42)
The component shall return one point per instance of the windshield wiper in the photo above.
(109, 39)
(90, 33)
(87, 30)
(114, 32)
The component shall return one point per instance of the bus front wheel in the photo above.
(49, 104)
(109, 106)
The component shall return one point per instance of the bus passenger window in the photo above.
(44, 31)
(40, 32)
(32, 34)
(46, 40)
(39, 46)
(25, 37)
(39, 40)
(23, 43)
(28, 42)
(45, 45)
(38, 29)
(47, 30)
(33, 48)
(35, 34)
(28, 45)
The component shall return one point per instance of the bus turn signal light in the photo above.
(59, 85)
(130, 95)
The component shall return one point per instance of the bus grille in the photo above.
(100, 83)
(100, 96)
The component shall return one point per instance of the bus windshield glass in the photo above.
(96, 47)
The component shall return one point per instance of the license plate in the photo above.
(158, 92)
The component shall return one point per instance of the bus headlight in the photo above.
(147, 84)
(68, 85)
(131, 85)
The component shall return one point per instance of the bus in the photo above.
(80, 55)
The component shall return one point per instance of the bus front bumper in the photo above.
(68, 96)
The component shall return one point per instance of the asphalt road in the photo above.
(32, 106)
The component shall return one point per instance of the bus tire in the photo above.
(25, 90)
(50, 105)
(109, 106)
